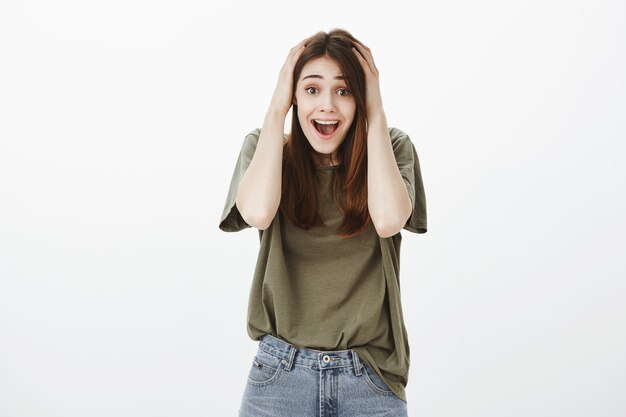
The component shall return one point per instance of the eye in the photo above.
(343, 92)
(314, 90)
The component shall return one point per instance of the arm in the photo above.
(258, 196)
(387, 197)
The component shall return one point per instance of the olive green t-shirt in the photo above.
(315, 289)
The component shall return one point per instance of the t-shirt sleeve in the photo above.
(409, 166)
(231, 220)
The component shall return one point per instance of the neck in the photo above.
(325, 160)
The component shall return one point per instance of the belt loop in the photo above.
(292, 353)
(356, 362)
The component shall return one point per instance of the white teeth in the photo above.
(327, 122)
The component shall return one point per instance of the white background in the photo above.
(120, 123)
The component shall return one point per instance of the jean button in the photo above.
(326, 358)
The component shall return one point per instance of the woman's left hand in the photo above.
(373, 99)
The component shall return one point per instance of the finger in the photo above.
(361, 46)
(299, 46)
(295, 53)
(367, 55)
(365, 51)
(304, 41)
(364, 62)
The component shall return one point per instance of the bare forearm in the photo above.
(388, 199)
(259, 192)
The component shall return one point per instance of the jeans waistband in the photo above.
(324, 359)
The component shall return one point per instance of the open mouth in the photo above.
(326, 127)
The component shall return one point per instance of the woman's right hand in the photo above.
(283, 93)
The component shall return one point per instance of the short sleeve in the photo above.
(231, 220)
(409, 166)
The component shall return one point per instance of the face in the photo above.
(326, 107)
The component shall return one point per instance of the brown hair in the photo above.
(299, 200)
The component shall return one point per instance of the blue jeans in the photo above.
(291, 381)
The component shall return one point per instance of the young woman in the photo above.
(329, 200)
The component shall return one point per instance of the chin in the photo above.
(324, 146)
(325, 150)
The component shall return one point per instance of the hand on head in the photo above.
(283, 93)
(373, 98)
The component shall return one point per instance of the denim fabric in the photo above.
(290, 381)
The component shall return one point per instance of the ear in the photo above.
(294, 101)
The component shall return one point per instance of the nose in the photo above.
(327, 102)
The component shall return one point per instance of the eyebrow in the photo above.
(338, 77)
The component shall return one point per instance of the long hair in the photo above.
(299, 199)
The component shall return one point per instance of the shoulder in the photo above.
(252, 139)
(398, 136)
(400, 141)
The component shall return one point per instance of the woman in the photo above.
(329, 201)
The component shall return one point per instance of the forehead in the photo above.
(323, 66)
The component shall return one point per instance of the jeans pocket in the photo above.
(265, 369)
(375, 382)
